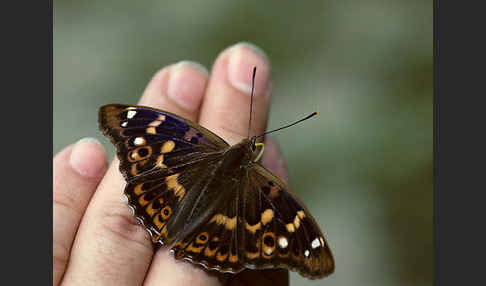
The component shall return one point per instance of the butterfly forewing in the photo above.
(150, 140)
(206, 200)
(164, 158)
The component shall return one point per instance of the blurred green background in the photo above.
(364, 167)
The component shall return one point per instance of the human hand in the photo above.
(96, 239)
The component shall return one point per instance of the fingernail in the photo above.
(187, 83)
(88, 157)
(243, 57)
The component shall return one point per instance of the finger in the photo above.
(225, 111)
(178, 89)
(111, 247)
(226, 105)
(77, 171)
(273, 160)
(166, 270)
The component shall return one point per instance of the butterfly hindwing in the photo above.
(255, 224)
(284, 234)
(163, 203)
(214, 244)
(211, 238)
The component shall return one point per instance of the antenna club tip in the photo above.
(318, 112)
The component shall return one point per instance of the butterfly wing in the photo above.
(165, 160)
(194, 211)
(256, 223)
(170, 206)
(225, 219)
(278, 230)
(153, 141)
(212, 239)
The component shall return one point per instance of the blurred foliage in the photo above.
(364, 166)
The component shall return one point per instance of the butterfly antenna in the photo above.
(287, 126)
(251, 98)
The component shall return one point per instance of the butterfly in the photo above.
(213, 204)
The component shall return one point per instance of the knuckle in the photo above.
(65, 201)
(60, 254)
(234, 134)
(119, 223)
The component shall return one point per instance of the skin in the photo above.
(96, 240)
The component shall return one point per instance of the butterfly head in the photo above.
(251, 143)
(247, 146)
(239, 155)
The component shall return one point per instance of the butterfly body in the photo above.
(209, 201)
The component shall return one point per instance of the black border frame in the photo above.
(27, 177)
(459, 147)
(436, 124)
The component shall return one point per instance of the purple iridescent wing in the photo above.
(150, 140)
(164, 159)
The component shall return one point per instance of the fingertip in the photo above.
(243, 58)
(225, 109)
(156, 89)
(88, 158)
(187, 83)
(178, 88)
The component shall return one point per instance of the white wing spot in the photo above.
(124, 124)
(139, 141)
(282, 242)
(131, 114)
(268, 251)
(316, 243)
(306, 253)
